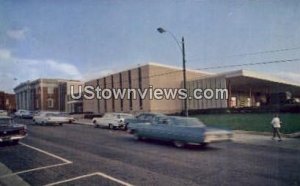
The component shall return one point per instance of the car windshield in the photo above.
(5, 121)
(187, 121)
(54, 114)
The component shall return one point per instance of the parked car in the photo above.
(142, 118)
(52, 118)
(112, 120)
(25, 114)
(10, 131)
(178, 130)
(69, 116)
(3, 113)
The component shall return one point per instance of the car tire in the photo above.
(137, 137)
(203, 145)
(60, 124)
(15, 142)
(179, 144)
(111, 126)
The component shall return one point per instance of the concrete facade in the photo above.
(152, 74)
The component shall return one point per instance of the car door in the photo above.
(160, 129)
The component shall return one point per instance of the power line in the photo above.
(205, 68)
(248, 54)
(250, 64)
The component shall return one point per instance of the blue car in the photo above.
(178, 130)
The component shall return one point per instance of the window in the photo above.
(50, 90)
(105, 103)
(112, 100)
(140, 86)
(37, 104)
(129, 84)
(121, 87)
(50, 103)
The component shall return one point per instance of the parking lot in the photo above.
(84, 155)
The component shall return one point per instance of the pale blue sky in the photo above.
(88, 38)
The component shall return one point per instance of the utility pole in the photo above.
(186, 113)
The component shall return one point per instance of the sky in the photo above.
(85, 39)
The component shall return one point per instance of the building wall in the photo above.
(206, 83)
(157, 76)
(164, 77)
(7, 101)
(37, 95)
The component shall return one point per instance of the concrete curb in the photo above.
(292, 135)
(11, 180)
(83, 123)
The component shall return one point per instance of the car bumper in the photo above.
(12, 138)
(217, 138)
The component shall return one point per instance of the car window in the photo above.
(5, 121)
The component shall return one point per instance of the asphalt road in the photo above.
(83, 155)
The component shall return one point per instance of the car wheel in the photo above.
(60, 124)
(203, 145)
(70, 121)
(137, 137)
(178, 144)
(111, 126)
(15, 142)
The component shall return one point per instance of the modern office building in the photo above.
(42, 94)
(245, 89)
(141, 77)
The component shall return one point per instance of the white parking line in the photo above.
(40, 168)
(47, 153)
(89, 175)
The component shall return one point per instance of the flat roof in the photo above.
(259, 75)
(152, 64)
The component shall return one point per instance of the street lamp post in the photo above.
(182, 48)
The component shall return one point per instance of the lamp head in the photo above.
(161, 30)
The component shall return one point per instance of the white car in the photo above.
(23, 114)
(53, 118)
(112, 120)
(3, 113)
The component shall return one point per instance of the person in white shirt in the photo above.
(276, 126)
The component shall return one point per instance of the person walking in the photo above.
(276, 126)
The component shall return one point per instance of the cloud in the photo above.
(17, 34)
(5, 54)
(12, 68)
(96, 74)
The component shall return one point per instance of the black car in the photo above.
(10, 131)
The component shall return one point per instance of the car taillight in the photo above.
(23, 131)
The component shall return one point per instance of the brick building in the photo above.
(7, 101)
(41, 94)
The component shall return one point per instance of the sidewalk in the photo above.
(246, 137)
(11, 180)
(84, 122)
(266, 140)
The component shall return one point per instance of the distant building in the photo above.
(42, 94)
(141, 77)
(66, 103)
(7, 102)
(245, 89)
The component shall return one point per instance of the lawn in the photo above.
(252, 122)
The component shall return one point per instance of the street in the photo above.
(84, 155)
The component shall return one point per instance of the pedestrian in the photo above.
(276, 126)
